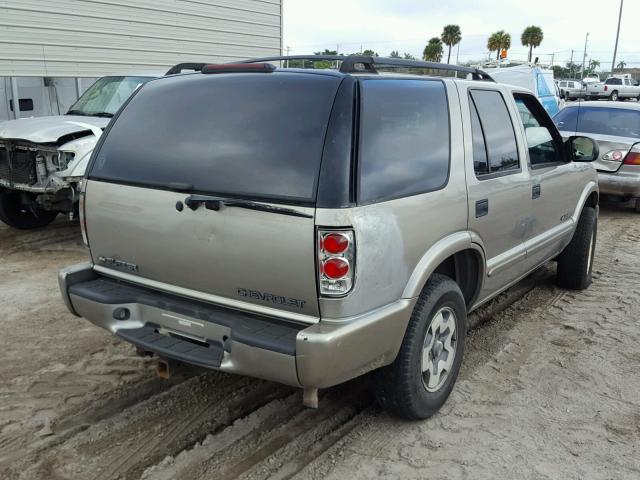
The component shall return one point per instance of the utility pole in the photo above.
(584, 55)
(615, 49)
(288, 52)
(552, 57)
(458, 52)
(571, 65)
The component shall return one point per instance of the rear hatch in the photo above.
(205, 186)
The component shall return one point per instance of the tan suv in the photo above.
(309, 226)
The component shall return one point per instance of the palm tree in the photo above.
(532, 38)
(621, 65)
(451, 35)
(433, 50)
(497, 41)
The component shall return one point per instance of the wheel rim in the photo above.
(439, 349)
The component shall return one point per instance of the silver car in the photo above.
(309, 226)
(572, 89)
(616, 127)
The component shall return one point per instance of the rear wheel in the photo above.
(614, 96)
(576, 260)
(636, 206)
(421, 378)
(23, 216)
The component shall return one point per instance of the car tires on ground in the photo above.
(576, 260)
(636, 204)
(421, 378)
(16, 215)
(614, 96)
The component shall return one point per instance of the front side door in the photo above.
(498, 185)
(556, 186)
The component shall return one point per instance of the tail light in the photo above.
(633, 157)
(606, 88)
(83, 220)
(336, 262)
(614, 155)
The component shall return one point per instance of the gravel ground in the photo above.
(549, 389)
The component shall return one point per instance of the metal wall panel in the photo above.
(74, 38)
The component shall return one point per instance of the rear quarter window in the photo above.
(404, 139)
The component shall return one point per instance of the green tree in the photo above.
(531, 37)
(408, 56)
(433, 50)
(395, 54)
(497, 41)
(621, 65)
(451, 35)
(593, 66)
(369, 53)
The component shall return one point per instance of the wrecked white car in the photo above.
(43, 160)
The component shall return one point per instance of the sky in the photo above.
(406, 26)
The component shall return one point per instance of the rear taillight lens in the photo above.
(336, 262)
(83, 220)
(606, 88)
(614, 155)
(632, 158)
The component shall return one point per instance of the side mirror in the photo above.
(582, 149)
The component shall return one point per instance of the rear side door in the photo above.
(498, 183)
(555, 188)
(205, 187)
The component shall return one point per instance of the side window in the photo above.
(543, 148)
(499, 137)
(480, 163)
(567, 119)
(627, 82)
(563, 84)
(404, 138)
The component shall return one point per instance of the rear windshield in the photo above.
(617, 122)
(250, 135)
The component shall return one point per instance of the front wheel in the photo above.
(422, 376)
(15, 213)
(575, 263)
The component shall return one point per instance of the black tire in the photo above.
(636, 205)
(16, 215)
(400, 387)
(575, 263)
(614, 96)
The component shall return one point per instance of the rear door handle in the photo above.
(535, 191)
(482, 207)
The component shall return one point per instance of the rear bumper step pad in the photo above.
(147, 338)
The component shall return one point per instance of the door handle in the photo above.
(535, 191)
(482, 208)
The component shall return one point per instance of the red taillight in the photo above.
(336, 260)
(606, 88)
(335, 243)
(335, 268)
(632, 158)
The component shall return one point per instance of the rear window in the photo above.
(251, 135)
(613, 81)
(404, 138)
(618, 122)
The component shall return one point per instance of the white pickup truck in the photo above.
(614, 88)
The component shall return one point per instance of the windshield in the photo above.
(106, 96)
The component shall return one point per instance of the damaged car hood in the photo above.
(48, 129)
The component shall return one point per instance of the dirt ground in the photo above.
(549, 389)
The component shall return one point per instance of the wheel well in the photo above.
(464, 268)
(592, 200)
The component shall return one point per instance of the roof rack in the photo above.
(197, 67)
(365, 64)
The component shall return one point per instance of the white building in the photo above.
(52, 50)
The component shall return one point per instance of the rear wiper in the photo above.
(214, 203)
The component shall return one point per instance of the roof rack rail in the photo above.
(365, 64)
(197, 67)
